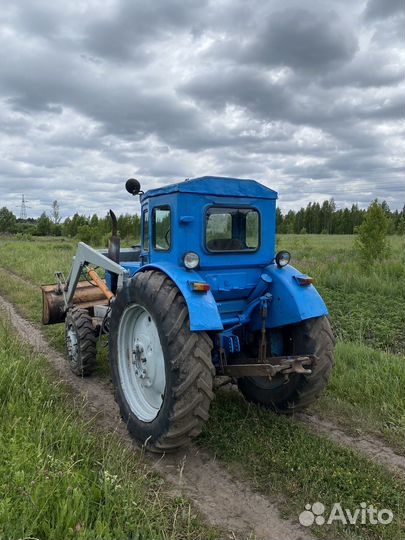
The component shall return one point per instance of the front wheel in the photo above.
(81, 340)
(162, 372)
(312, 336)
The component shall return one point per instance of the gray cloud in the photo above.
(382, 9)
(302, 39)
(124, 32)
(308, 99)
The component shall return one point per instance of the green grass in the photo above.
(60, 478)
(366, 304)
(279, 456)
(366, 393)
(37, 260)
(281, 459)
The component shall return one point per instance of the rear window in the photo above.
(232, 229)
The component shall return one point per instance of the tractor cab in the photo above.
(221, 228)
(220, 221)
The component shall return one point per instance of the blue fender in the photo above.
(291, 302)
(202, 308)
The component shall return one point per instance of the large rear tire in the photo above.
(162, 372)
(312, 336)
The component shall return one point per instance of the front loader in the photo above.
(204, 294)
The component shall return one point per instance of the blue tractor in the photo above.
(204, 294)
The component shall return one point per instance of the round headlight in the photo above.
(191, 260)
(283, 258)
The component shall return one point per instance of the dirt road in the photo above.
(222, 500)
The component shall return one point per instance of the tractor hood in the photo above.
(216, 185)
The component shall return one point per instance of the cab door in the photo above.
(145, 234)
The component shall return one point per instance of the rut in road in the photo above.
(373, 448)
(223, 501)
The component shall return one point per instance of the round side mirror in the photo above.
(133, 186)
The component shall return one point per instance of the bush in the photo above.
(7, 220)
(371, 241)
(44, 225)
(23, 236)
(87, 234)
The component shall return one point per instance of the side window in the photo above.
(145, 229)
(161, 228)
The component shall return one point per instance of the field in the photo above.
(287, 460)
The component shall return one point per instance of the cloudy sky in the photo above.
(307, 97)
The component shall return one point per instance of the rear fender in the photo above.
(291, 302)
(202, 308)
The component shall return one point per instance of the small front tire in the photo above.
(80, 339)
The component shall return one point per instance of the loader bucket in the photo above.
(87, 295)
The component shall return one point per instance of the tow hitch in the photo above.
(276, 365)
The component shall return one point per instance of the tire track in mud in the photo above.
(25, 281)
(366, 445)
(370, 446)
(223, 501)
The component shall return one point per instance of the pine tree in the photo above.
(371, 241)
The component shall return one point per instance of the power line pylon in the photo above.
(23, 211)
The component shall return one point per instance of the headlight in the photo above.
(283, 258)
(191, 260)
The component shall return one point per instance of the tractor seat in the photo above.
(225, 244)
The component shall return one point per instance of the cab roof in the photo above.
(216, 185)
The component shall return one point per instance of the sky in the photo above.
(306, 97)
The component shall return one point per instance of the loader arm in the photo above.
(86, 254)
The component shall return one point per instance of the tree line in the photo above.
(326, 219)
(315, 218)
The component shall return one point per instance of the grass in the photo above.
(366, 393)
(279, 456)
(62, 478)
(366, 304)
(358, 299)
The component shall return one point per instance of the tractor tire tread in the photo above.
(87, 341)
(188, 357)
(317, 331)
(315, 337)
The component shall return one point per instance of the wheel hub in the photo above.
(141, 362)
(72, 344)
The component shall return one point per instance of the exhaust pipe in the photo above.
(114, 245)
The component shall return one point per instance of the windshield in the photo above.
(232, 229)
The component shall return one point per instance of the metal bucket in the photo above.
(86, 296)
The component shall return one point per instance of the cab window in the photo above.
(232, 229)
(145, 230)
(161, 228)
